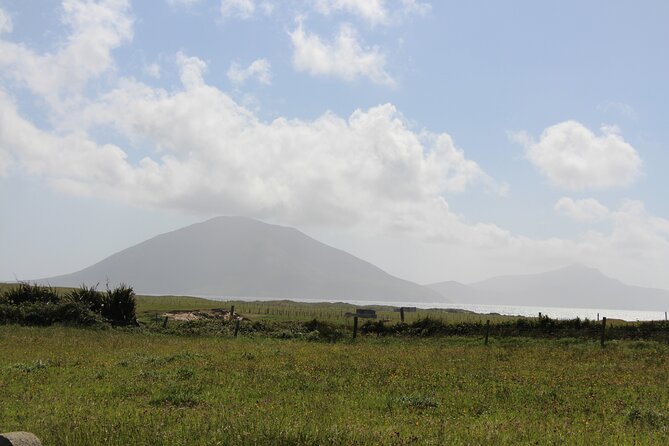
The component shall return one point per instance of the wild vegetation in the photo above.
(35, 304)
(126, 386)
(291, 378)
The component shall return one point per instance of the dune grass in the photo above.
(120, 386)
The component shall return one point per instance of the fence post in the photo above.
(597, 317)
(232, 311)
(487, 331)
(237, 327)
(603, 331)
(355, 326)
(665, 315)
(402, 314)
(165, 322)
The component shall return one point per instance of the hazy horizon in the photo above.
(436, 141)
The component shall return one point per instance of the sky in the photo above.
(438, 140)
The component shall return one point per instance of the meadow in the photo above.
(142, 386)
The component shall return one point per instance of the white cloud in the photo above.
(213, 155)
(574, 158)
(6, 25)
(242, 9)
(96, 29)
(259, 69)
(153, 70)
(585, 210)
(344, 58)
(375, 12)
(191, 70)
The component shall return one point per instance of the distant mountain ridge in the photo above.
(575, 286)
(237, 256)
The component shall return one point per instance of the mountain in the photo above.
(573, 286)
(236, 256)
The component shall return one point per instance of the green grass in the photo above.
(119, 387)
(286, 310)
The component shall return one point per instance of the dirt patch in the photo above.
(195, 315)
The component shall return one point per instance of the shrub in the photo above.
(90, 297)
(47, 314)
(30, 293)
(119, 306)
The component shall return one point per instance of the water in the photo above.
(507, 310)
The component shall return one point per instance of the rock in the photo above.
(19, 439)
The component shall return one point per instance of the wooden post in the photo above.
(665, 315)
(165, 322)
(232, 311)
(402, 314)
(237, 326)
(487, 331)
(355, 326)
(597, 317)
(603, 331)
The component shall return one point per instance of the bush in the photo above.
(89, 297)
(42, 305)
(30, 293)
(48, 314)
(120, 305)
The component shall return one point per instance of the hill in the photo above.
(573, 286)
(236, 256)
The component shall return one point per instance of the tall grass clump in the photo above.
(120, 305)
(30, 293)
(89, 297)
(34, 304)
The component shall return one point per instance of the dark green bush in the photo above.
(30, 293)
(88, 296)
(42, 305)
(120, 305)
(48, 314)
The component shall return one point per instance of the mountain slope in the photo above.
(572, 286)
(236, 256)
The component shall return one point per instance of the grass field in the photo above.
(127, 387)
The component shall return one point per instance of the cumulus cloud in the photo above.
(153, 70)
(344, 57)
(191, 70)
(375, 12)
(96, 29)
(585, 210)
(573, 157)
(217, 156)
(259, 69)
(6, 25)
(242, 9)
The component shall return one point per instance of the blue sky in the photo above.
(439, 140)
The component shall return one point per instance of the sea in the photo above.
(507, 310)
